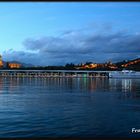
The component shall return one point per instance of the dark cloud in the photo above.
(77, 46)
(21, 56)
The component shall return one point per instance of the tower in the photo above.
(1, 63)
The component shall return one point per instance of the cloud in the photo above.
(78, 46)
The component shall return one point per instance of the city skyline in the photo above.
(46, 33)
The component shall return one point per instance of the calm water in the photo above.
(69, 107)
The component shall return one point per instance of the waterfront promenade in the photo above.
(53, 73)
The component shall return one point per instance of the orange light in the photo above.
(14, 65)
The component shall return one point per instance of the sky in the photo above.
(56, 33)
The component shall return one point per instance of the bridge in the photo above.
(53, 73)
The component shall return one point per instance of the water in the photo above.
(69, 107)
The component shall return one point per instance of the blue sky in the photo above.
(30, 31)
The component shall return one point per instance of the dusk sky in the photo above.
(56, 33)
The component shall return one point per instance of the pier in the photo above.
(53, 73)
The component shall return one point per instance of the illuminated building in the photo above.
(89, 66)
(113, 66)
(1, 63)
(131, 63)
(14, 65)
(92, 65)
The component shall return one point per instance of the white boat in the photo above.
(124, 74)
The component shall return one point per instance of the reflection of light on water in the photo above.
(85, 82)
(113, 84)
(126, 85)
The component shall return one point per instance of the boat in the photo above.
(124, 74)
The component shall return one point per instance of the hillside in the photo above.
(131, 64)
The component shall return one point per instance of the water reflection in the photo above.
(70, 84)
(129, 88)
(64, 106)
(126, 85)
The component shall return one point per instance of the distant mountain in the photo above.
(27, 65)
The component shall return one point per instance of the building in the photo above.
(92, 66)
(14, 65)
(87, 66)
(1, 62)
(133, 62)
